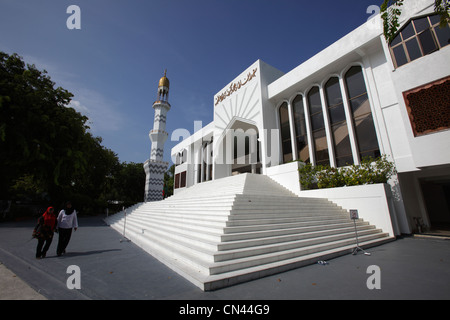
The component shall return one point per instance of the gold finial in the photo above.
(164, 82)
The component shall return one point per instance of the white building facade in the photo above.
(361, 96)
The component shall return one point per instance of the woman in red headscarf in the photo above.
(44, 232)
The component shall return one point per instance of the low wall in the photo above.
(287, 175)
(373, 202)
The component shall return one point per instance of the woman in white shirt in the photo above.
(67, 219)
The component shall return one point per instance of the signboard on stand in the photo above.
(355, 216)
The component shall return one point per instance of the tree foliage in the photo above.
(442, 7)
(391, 11)
(37, 131)
(129, 183)
(46, 149)
(169, 176)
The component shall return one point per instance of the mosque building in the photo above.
(361, 96)
(240, 211)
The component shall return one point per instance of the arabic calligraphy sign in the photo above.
(235, 86)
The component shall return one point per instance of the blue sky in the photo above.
(113, 64)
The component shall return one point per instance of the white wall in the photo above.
(417, 73)
(287, 175)
(373, 202)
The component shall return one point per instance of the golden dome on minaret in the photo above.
(164, 82)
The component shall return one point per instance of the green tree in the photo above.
(40, 136)
(92, 186)
(45, 145)
(168, 181)
(129, 183)
(47, 152)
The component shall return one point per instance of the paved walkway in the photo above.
(410, 268)
(14, 288)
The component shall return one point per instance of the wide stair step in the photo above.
(222, 232)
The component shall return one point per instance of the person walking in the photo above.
(67, 220)
(43, 232)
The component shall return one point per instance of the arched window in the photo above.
(300, 129)
(285, 133)
(419, 37)
(362, 115)
(318, 127)
(338, 122)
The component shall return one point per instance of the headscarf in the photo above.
(49, 218)
(68, 210)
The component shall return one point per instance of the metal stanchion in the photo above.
(354, 216)
(124, 239)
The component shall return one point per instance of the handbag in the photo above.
(37, 231)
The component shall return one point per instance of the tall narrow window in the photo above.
(177, 181)
(318, 127)
(183, 179)
(339, 130)
(362, 115)
(285, 133)
(300, 129)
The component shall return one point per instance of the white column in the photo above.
(197, 160)
(280, 140)
(208, 161)
(375, 107)
(312, 155)
(292, 131)
(328, 132)
(202, 164)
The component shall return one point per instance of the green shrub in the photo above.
(308, 176)
(370, 171)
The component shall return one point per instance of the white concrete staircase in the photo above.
(222, 232)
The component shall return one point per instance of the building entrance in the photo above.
(246, 148)
(436, 195)
(239, 150)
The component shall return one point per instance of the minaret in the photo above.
(155, 167)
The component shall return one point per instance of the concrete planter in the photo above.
(373, 201)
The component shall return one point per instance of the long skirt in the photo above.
(43, 246)
(63, 241)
